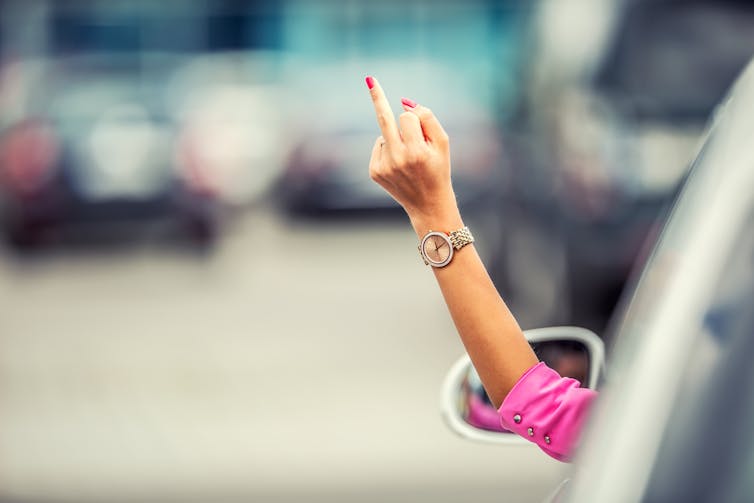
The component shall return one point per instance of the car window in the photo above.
(707, 452)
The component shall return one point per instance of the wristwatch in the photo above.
(436, 248)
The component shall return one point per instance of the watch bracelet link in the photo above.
(461, 238)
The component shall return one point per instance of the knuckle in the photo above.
(397, 155)
(398, 159)
(386, 176)
(413, 156)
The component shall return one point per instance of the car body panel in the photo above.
(662, 325)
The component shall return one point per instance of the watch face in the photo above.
(437, 249)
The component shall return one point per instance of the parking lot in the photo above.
(204, 297)
(299, 359)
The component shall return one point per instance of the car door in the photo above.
(672, 422)
(707, 450)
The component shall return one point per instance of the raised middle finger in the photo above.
(385, 117)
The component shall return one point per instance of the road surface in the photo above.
(298, 361)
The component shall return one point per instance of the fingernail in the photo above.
(409, 103)
(370, 81)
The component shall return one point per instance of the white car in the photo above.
(674, 419)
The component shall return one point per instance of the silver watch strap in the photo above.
(461, 238)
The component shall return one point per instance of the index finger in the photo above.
(385, 117)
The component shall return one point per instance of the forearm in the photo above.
(413, 165)
(488, 330)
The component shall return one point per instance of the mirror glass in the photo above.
(568, 358)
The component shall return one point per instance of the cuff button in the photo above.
(530, 431)
(517, 418)
(547, 439)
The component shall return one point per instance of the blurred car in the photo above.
(229, 122)
(462, 59)
(93, 145)
(327, 170)
(673, 421)
(617, 100)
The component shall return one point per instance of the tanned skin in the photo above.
(411, 161)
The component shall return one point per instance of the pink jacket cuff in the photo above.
(548, 410)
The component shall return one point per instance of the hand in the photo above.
(413, 163)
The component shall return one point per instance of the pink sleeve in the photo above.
(547, 409)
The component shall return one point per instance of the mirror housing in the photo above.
(572, 351)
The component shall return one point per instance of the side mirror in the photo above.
(571, 351)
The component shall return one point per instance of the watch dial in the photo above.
(437, 249)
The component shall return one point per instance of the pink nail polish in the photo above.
(370, 81)
(409, 103)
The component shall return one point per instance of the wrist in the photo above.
(441, 219)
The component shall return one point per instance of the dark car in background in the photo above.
(613, 113)
(140, 113)
(463, 59)
(327, 170)
(92, 144)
